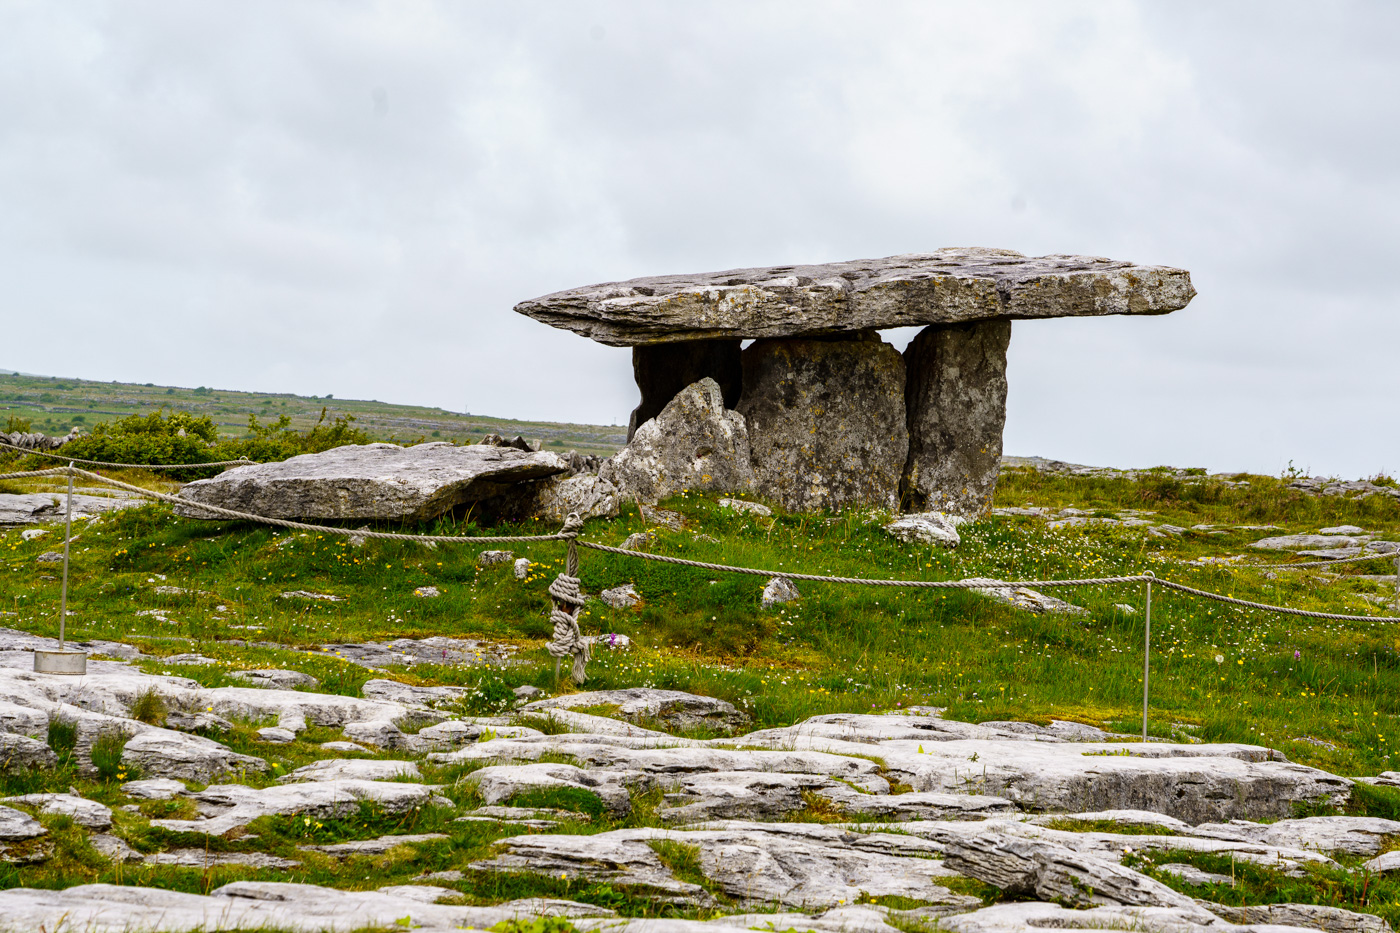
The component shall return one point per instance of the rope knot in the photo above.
(565, 590)
(573, 524)
(568, 640)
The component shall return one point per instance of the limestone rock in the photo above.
(227, 806)
(522, 568)
(693, 443)
(925, 528)
(1297, 542)
(358, 769)
(777, 591)
(956, 402)
(946, 286)
(163, 753)
(826, 422)
(673, 708)
(20, 752)
(621, 597)
(1384, 864)
(487, 558)
(1023, 597)
(745, 507)
(663, 370)
(275, 735)
(284, 680)
(28, 508)
(153, 789)
(500, 783)
(204, 859)
(16, 826)
(392, 691)
(371, 481)
(1193, 875)
(427, 592)
(917, 806)
(435, 649)
(739, 795)
(1311, 916)
(86, 813)
(552, 500)
(375, 846)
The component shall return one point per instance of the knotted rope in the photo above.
(568, 601)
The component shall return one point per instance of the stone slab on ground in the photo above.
(229, 806)
(672, 708)
(383, 482)
(946, 286)
(32, 507)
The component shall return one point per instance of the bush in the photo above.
(62, 737)
(149, 708)
(107, 754)
(15, 423)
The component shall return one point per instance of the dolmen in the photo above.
(818, 411)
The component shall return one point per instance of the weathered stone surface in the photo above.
(673, 708)
(153, 789)
(86, 813)
(502, 782)
(376, 846)
(1310, 916)
(1055, 873)
(1347, 835)
(371, 481)
(202, 858)
(284, 680)
(693, 443)
(357, 769)
(28, 508)
(739, 795)
(826, 421)
(663, 370)
(745, 507)
(16, 826)
(1023, 597)
(1295, 542)
(946, 286)
(435, 649)
(552, 500)
(227, 806)
(162, 753)
(955, 397)
(925, 528)
(917, 806)
(392, 691)
(19, 752)
(778, 590)
(621, 597)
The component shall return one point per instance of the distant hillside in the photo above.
(55, 404)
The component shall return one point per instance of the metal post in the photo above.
(1146, 648)
(1397, 581)
(67, 534)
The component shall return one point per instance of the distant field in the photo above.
(54, 405)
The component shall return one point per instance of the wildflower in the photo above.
(1220, 659)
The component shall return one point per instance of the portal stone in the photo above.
(956, 399)
(826, 421)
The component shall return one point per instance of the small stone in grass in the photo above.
(522, 568)
(779, 590)
(486, 558)
(277, 736)
(343, 747)
(427, 592)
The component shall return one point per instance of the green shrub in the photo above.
(62, 737)
(537, 925)
(149, 708)
(15, 423)
(107, 754)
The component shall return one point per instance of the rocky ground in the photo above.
(894, 820)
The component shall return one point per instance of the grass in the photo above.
(1325, 693)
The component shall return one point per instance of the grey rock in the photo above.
(283, 680)
(1383, 864)
(946, 286)
(777, 591)
(672, 708)
(307, 594)
(1345, 835)
(1193, 875)
(274, 735)
(693, 443)
(1313, 916)
(86, 813)
(29, 508)
(663, 370)
(343, 747)
(1055, 873)
(522, 568)
(1023, 597)
(17, 826)
(427, 592)
(202, 858)
(745, 507)
(114, 848)
(392, 691)
(163, 753)
(1023, 916)
(193, 660)
(739, 795)
(381, 733)
(20, 752)
(359, 769)
(435, 649)
(1298, 542)
(487, 558)
(228, 806)
(1342, 530)
(956, 401)
(664, 518)
(826, 422)
(917, 806)
(608, 641)
(375, 846)
(499, 783)
(50, 557)
(924, 528)
(154, 789)
(637, 541)
(621, 597)
(201, 721)
(526, 692)
(370, 481)
(552, 500)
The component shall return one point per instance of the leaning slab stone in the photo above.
(826, 421)
(946, 286)
(673, 708)
(693, 443)
(663, 370)
(371, 481)
(956, 401)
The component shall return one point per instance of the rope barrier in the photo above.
(242, 461)
(1376, 555)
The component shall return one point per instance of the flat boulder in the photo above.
(382, 482)
(946, 286)
(671, 708)
(161, 753)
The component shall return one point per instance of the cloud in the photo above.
(349, 198)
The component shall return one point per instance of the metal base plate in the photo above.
(60, 662)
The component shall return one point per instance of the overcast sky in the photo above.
(350, 197)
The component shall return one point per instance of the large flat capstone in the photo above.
(372, 481)
(947, 286)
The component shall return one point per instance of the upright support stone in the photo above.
(826, 421)
(662, 370)
(956, 398)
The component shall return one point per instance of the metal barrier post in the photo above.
(1397, 581)
(67, 535)
(63, 661)
(1146, 648)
